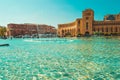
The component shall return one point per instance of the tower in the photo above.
(87, 19)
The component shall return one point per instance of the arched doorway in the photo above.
(68, 34)
(87, 33)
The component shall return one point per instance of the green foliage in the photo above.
(2, 31)
(98, 33)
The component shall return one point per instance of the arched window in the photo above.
(98, 30)
(111, 17)
(102, 29)
(111, 29)
(79, 23)
(86, 25)
(62, 31)
(87, 18)
(107, 29)
(116, 29)
(93, 29)
(79, 30)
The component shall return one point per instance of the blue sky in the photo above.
(53, 12)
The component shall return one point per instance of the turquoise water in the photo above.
(61, 59)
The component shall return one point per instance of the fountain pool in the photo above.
(61, 58)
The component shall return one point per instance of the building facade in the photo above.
(88, 26)
(16, 30)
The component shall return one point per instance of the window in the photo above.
(106, 29)
(116, 29)
(78, 30)
(111, 17)
(88, 14)
(79, 23)
(102, 29)
(87, 18)
(86, 25)
(93, 29)
(62, 31)
(111, 29)
(98, 30)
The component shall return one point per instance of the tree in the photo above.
(2, 31)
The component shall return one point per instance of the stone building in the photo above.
(88, 26)
(17, 30)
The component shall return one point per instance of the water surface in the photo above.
(94, 58)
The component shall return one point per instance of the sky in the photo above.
(53, 12)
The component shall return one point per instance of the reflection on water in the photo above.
(63, 59)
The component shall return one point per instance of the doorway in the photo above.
(87, 33)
